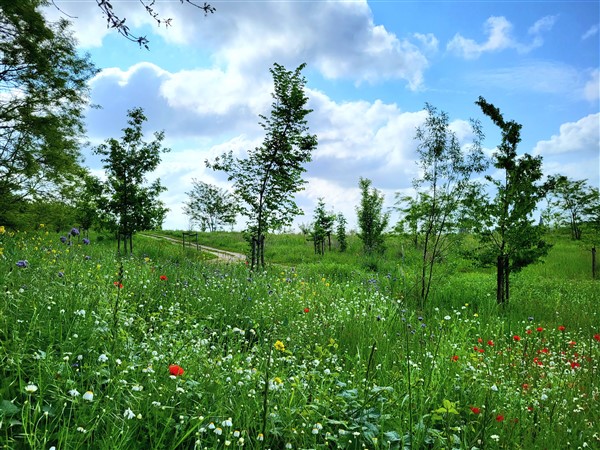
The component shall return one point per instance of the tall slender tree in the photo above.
(505, 222)
(446, 169)
(128, 203)
(267, 179)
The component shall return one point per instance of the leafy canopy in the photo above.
(43, 95)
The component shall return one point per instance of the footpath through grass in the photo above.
(163, 350)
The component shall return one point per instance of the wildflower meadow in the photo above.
(166, 349)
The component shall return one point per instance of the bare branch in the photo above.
(114, 21)
(62, 12)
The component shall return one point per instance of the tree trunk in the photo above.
(500, 281)
(261, 246)
(593, 262)
(506, 279)
(253, 252)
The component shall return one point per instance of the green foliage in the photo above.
(340, 232)
(572, 202)
(210, 206)
(505, 222)
(43, 80)
(446, 169)
(372, 222)
(322, 227)
(127, 205)
(316, 356)
(265, 182)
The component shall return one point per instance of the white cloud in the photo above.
(592, 31)
(500, 37)
(339, 39)
(429, 43)
(573, 137)
(535, 76)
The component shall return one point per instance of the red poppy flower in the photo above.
(490, 343)
(455, 358)
(499, 418)
(306, 310)
(539, 329)
(528, 332)
(561, 328)
(475, 410)
(119, 285)
(479, 340)
(516, 337)
(175, 370)
(597, 337)
(525, 386)
(575, 365)
(572, 343)
(163, 278)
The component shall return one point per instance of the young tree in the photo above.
(340, 232)
(129, 204)
(265, 182)
(210, 206)
(372, 222)
(571, 197)
(446, 169)
(506, 224)
(44, 86)
(322, 227)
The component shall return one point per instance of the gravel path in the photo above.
(222, 255)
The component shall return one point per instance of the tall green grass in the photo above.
(193, 354)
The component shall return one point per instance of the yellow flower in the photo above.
(42, 225)
(2, 229)
(277, 380)
(279, 346)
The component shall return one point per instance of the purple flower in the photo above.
(61, 274)
(87, 257)
(63, 239)
(74, 232)
(86, 241)
(22, 263)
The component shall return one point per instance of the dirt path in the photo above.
(222, 255)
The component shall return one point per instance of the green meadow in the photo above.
(170, 348)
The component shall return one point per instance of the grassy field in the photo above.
(167, 350)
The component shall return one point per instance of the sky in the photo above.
(371, 66)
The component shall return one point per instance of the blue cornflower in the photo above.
(86, 241)
(22, 263)
(63, 239)
(74, 232)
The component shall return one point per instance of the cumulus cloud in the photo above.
(339, 39)
(582, 136)
(500, 37)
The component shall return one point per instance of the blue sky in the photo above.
(371, 67)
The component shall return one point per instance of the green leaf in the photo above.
(8, 408)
